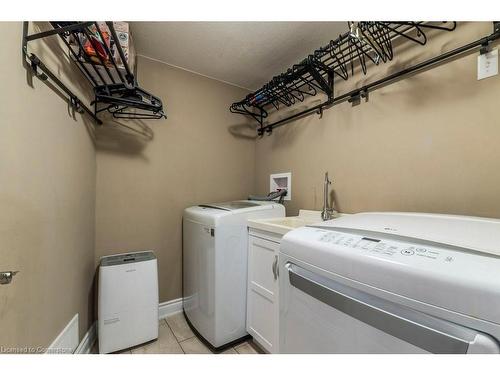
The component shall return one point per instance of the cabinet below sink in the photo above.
(264, 237)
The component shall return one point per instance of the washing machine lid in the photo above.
(234, 205)
(448, 262)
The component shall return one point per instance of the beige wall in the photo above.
(143, 187)
(428, 143)
(47, 194)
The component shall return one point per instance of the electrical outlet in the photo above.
(487, 64)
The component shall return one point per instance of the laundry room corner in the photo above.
(144, 183)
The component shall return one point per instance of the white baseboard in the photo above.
(88, 340)
(67, 341)
(170, 308)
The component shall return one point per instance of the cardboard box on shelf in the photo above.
(123, 36)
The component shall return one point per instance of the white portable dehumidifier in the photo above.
(128, 301)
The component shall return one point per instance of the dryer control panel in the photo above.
(451, 277)
(383, 247)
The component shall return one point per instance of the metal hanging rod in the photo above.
(35, 63)
(482, 43)
(365, 43)
(96, 50)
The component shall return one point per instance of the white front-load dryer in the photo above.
(215, 240)
(391, 283)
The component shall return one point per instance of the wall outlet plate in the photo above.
(281, 181)
(487, 64)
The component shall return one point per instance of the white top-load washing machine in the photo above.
(215, 240)
(391, 283)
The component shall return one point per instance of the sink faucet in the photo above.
(327, 212)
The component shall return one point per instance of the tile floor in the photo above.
(175, 337)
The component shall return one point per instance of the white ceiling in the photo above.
(246, 54)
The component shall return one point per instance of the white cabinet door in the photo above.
(262, 302)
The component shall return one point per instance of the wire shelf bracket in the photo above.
(104, 64)
(365, 43)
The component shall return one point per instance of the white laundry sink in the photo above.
(282, 225)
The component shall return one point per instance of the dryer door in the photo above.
(319, 315)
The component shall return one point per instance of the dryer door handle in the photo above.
(424, 331)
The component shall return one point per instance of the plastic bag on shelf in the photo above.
(94, 44)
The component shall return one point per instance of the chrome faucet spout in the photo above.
(327, 212)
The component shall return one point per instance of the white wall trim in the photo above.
(67, 341)
(88, 340)
(170, 308)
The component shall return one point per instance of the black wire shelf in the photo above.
(96, 49)
(365, 43)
